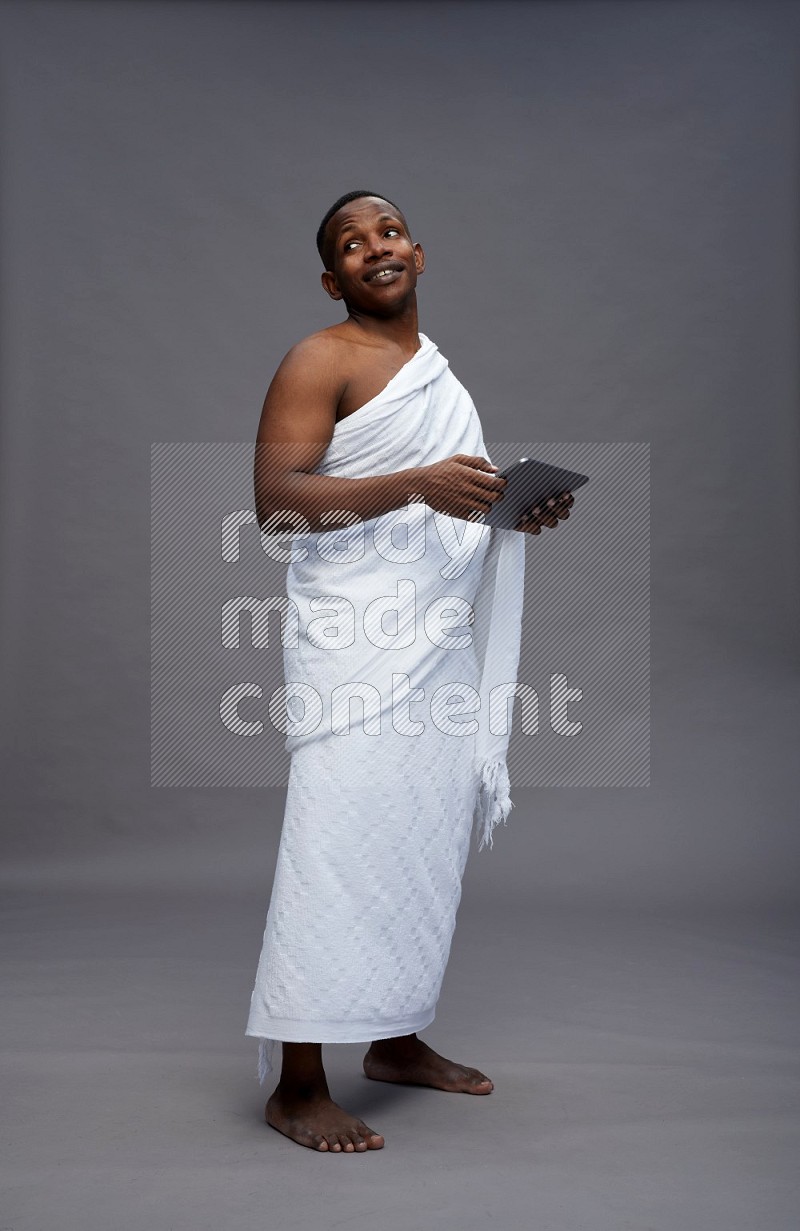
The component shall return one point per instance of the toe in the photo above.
(321, 1143)
(373, 1140)
(334, 1143)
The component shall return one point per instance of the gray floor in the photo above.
(645, 1069)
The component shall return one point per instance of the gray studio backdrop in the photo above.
(606, 194)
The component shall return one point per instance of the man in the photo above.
(377, 821)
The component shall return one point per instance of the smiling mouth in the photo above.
(384, 274)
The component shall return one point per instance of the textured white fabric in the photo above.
(379, 814)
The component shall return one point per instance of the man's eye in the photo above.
(391, 230)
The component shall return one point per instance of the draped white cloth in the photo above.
(397, 715)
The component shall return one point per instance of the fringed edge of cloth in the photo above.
(494, 800)
(266, 1053)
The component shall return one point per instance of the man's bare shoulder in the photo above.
(328, 351)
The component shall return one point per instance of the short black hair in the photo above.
(337, 205)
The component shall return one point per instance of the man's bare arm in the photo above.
(296, 427)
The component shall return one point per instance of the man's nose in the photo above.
(377, 245)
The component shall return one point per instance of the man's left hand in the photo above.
(549, 514)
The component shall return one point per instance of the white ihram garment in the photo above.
(378, 819)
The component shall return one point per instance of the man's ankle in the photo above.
(406, 1043)
(302, 1086)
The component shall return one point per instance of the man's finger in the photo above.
(487, 478)
(477, 463)
(542, 516)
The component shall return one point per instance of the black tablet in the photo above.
(530, 483)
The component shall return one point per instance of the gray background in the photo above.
(607, 194)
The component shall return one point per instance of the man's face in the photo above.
(373, 264)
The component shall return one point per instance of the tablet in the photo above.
(529, 483)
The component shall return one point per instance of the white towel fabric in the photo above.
(379, 812)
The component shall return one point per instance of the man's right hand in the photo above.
(461, 485)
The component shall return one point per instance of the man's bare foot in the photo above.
(411, 1061)
(311, 1118)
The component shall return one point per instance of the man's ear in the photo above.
(330, 285)
(419, 258)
